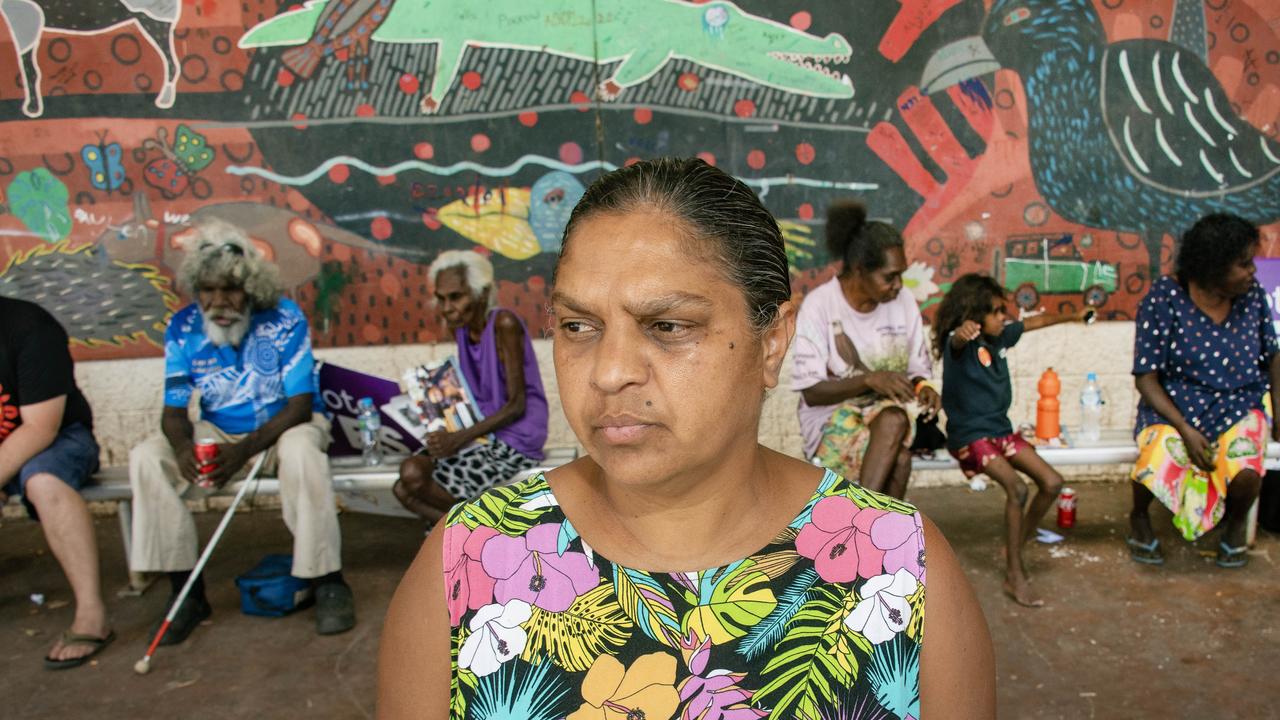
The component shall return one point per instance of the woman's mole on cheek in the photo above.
(730, 345)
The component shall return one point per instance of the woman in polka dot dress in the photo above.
(1205, 355)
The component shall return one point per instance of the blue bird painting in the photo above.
(1135, 136)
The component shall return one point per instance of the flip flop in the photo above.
(1145, 553)
(69, 638)
(1231, 557)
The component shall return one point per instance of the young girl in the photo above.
(972, 335)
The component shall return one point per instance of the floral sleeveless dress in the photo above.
(824, 622)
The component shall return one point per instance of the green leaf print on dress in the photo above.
(813, 658)
(501, 508)
(594, 625)
(762, 637)
(730, 601)
(646, 602)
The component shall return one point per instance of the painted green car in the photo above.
(1038, 265)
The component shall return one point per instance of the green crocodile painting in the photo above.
(641, 35)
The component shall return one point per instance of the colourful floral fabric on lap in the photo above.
(824, 622)
(1198, 499)
(847, 434)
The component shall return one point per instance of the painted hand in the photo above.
(968, 183)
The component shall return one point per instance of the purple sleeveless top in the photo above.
(483, 369)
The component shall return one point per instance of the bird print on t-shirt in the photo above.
(847, 351)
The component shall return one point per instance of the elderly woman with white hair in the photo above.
(496, 357)
(248, 351)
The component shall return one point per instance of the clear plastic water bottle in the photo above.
(1090, 410)
(370, 425)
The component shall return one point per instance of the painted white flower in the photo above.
(884, 610)
(919, 280)
(496, 637)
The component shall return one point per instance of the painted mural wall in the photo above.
(1059, 144)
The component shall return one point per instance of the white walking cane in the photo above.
(143, 666)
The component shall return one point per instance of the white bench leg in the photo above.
(138, 582)
(124, 511)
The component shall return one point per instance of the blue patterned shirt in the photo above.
(240, 388)
(1214, 373)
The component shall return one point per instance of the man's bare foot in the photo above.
(1020, 592)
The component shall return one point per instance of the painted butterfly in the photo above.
(104, 162)
(172, 174)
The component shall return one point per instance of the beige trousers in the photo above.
(164, 533)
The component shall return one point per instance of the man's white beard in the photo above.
(229, 335)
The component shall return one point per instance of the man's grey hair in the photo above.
(219, 252)
(476, 267)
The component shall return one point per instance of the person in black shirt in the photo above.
(972, 336)
(47, 452)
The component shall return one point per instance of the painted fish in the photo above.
(497, 218)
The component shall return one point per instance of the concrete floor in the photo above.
(1118, 640)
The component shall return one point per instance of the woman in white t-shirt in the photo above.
(862, 359)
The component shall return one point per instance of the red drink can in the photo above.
(1067, 508)
(206, 450)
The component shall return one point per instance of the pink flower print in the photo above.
(901, 538)
(717, 696)
(838, 540)
(696, 651)
(467, 587)
(528, 568)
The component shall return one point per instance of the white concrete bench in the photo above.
(362, 488)
(358, 487)
(1115, 447)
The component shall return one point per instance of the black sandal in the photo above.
(1232, 557)
(1145, 553)
(69, 638)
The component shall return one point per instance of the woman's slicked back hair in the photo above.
(745, 239)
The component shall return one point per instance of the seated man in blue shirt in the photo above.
(248, 352)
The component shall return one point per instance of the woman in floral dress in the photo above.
(680, 569)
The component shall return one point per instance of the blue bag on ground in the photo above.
(270, 591)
